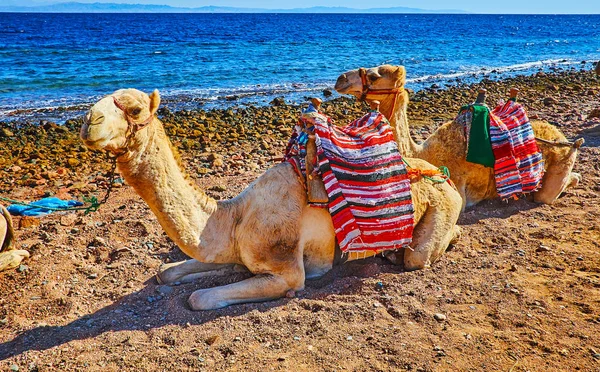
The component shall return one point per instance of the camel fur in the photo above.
(447, 145)
(10, 258)
(268, 228)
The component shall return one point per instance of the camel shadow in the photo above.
(496, 208)
(591, 136)
(148, 308)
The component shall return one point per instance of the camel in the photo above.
(10, 258)
(268, 228)
(447, 145)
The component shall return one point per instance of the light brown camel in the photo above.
(447, 145)
(9, 257)
(268, 228)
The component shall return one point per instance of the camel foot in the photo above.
(457, 235)
(12, 259)
(394, 257)
(191, 270)
(575, 180)
(256, 289)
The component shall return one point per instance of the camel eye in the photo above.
(373, 77)
(136, 111)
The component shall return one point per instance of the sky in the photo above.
(474, 6)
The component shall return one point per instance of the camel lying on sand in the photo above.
(268, 228)
(9, 257)
(447, 145)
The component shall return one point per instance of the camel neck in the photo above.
(152, 170)
(394, 108)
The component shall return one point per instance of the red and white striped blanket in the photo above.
(367, 183)
(519, 166)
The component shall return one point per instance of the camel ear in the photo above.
(578, 143)
(400, 74)
(154, 101)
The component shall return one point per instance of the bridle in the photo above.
(367, 90)
(132, 127)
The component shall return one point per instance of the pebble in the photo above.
(439, 317)
(93, 276)
(543, 248)
(23, 268)
(164, 289)
(14, 367)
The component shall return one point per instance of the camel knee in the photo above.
(416, 260)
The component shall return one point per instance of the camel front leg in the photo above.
(190, 270)
(256, 289)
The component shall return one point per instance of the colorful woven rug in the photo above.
(507, 135)
(367, 183)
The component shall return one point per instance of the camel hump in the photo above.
(10, 231)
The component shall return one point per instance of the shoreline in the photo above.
(294, 94)
(48, 157)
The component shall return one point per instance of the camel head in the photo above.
(384, 78)
(110, 121)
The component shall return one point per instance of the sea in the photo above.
(56, 65)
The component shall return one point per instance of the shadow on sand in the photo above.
(145, 309)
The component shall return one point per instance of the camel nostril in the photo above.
(96, 118)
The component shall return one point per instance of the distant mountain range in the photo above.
(74, 7)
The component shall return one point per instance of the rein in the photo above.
(367, 90)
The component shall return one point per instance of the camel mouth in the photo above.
(95, 144)
(346, 88)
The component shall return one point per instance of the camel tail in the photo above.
(10, 231)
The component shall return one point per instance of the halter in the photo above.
(132, 127)
(367, 90)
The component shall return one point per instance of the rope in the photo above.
(429, 174)
(94, 203)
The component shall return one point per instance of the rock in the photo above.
(28, 221)
(22, 268)
(98, 242)
(93, 276)
(72, 162)
(5, 132)
(218, 188)
(550, 101)
(164, 289)
(597, 68)
(439, 317)
(212, 339)
(279, 101)
(68, 219)
(327, 92)
(543, 248)
(14, 368)
(594, 114)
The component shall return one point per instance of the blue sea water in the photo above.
(195, 60)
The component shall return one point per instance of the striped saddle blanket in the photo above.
(367, 182)
(517, 160)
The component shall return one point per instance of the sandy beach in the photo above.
(520, 290)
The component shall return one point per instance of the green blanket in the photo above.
(480, 146)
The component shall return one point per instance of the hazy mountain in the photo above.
(74, 7)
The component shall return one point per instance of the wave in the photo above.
(194, 98)
(488, 70)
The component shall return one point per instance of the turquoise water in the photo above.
(199, 60)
